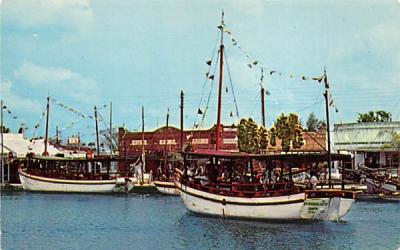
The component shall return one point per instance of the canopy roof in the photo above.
(292, 156)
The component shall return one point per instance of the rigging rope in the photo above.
(209, 95)
(207, 74)
(230, 80)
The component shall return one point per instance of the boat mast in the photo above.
(181, 107)
(262, 98)
(46, 138)
(165, 142)
(97, 132)
(326, 95)
(221, 55)
(111, 142)
(143, 160)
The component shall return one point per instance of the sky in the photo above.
(132, 53)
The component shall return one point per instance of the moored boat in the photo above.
(239, 194)
(253, 186)
(166, 187)
(57, 174)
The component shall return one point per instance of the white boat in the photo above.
(32, 182)
(57, 174)
(249, 200)
(166, 187)
(240, 185)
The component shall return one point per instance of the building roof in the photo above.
(365, 136)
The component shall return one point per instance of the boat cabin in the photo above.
(253, 175)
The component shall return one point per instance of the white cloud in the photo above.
(36, 13)
(14, 101)
(59, 82)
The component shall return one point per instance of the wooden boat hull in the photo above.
(166, 187)
(378, 187)
(278, 208)
(290, 207)
(332, 209)
(43, 184)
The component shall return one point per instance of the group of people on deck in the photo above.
(241, 172)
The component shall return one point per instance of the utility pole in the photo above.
(181, 107)
(166, 143)
(46, 138)
(326, 95)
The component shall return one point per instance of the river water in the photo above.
(73, 221)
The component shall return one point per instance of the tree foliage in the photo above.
(375, 116)
(288, 129)
(251, 138)
(313, 124)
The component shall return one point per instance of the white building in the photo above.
(19, 146)
(370, 142)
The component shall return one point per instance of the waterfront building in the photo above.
(371, 143)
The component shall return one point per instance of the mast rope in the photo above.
(209, 94)
(207, 76)
(230, 81)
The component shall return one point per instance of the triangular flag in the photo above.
(319, 79)
(208, 62)
(199, 111)
(211, 77)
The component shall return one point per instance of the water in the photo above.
(65, 221)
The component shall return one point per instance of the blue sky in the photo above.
(133, 53)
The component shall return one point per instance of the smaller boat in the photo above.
(58, 174)
(380, 186)
(381, 181)
(166, 187)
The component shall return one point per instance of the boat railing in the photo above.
(238, 189)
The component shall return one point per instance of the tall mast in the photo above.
(57, 136)
(97, 132)
(165, 141)
(111, 134)
(2, 143)
(45, 153)
(326, 94)
(143, 159)
(262, 98)
(181, 107)
(221, 55)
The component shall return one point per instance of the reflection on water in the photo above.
(64, 221)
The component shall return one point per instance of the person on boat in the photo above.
(313, 181)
